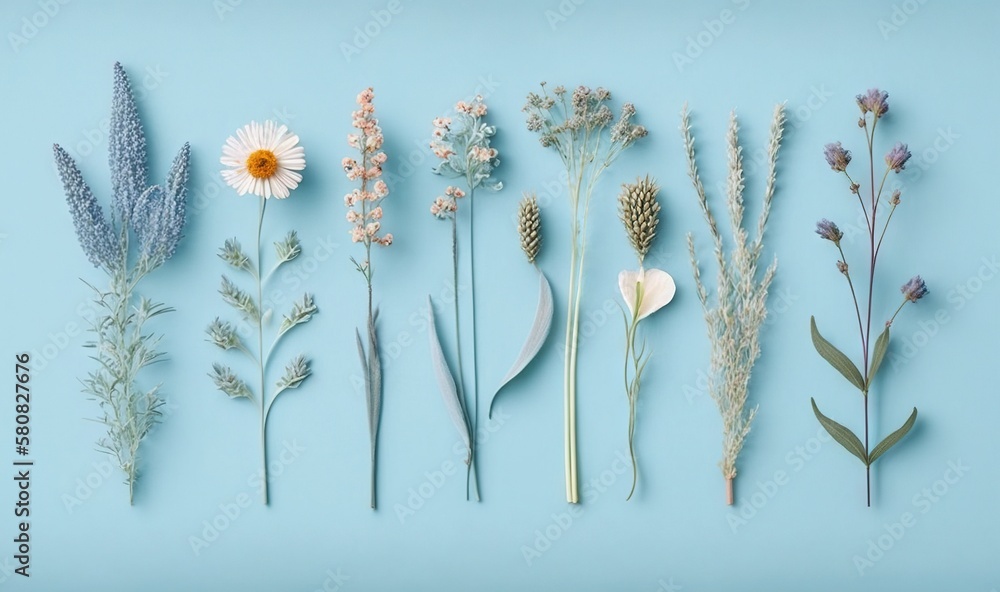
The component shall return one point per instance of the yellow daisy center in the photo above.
(262, 164)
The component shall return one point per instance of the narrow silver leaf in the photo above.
(446, 382)
(536, 338)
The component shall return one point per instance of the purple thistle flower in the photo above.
(874, 100)
(897, 157)
(829, 231)
(915, 289)
(92, 229)
(837, 157)
(126, 148)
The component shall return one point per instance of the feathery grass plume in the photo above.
(581, 128)
(364, 213)
(529, 227)
(645, 291)
(735, 318)
(262, 160)
(144, 235)
(462, 142)
(875, 103)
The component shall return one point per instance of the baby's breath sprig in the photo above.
(145, 227)
(257, 167)
(736, 317)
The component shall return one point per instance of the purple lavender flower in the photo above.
(126, 148)
(897, 157)
(829, 231)
(915, 289)
(874, 100)
(95, 233)
(837, 157)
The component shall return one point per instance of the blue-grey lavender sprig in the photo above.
(126, 148)
(97, 238)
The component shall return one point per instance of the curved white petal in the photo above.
(658, 289)
(263, 136)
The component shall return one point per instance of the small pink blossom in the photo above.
(463, 107)
(352, 216)
(386, 240)
(366, 96)
(381, 189)
(372, 228)
(479, 110)
(441, 151)
(442, 122)
(378, 159)
(357, 234)
(375, 214)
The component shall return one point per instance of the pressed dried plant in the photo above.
(644, 291)
(529, 229)
(582, 129)
(145, 227)
(262, 160)
(738, 311)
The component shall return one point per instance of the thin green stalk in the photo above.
(260, 352)
(475, 346)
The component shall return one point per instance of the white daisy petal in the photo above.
(267, 136)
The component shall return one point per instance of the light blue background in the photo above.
(217, 71)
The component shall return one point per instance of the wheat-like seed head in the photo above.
(640, 213)
(529, 223)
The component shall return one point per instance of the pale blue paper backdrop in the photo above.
(203, 68)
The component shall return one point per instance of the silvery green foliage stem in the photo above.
(735, 318)
(874, 106)
(581, 128)
(254, 319)
(145, 227)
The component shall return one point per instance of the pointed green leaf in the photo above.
(894, 437)
(842, 435)
(837, 359)
(881, 346)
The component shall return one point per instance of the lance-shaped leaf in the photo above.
(836, 358)
(239, 300)
(881, 346)
(374, 367)
(446, 382)
(841, 434)
(536, 337)
(893, 438)
(223, 335)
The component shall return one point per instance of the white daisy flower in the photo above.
(262, 160)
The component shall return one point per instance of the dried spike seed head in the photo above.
(640, 213)
(529, 224)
